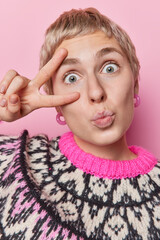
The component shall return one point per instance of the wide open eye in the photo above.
(110, 68)
(71, 78)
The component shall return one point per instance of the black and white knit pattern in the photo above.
(43, 196)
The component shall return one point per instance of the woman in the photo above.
(86, 184)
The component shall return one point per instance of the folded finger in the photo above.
(9, 76)
(16, 85)
(48, 70)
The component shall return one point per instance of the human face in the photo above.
(97, 68)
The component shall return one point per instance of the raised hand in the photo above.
(19, 96)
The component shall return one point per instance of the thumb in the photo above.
(14, 107)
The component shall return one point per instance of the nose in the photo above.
(96, 92)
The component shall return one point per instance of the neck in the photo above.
(116, 151)
(104, 167)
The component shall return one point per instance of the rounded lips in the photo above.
(102, 115)
(103, 119)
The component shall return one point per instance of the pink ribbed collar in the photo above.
(106, 168)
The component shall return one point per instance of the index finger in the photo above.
(48, 70)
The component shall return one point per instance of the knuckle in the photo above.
(11, 73)
(19, 80)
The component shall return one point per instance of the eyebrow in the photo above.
(100, 53)
(107, 50)
(70, 61)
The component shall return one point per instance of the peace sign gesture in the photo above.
(19, 96)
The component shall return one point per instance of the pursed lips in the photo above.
(103, 119)
(101, 115)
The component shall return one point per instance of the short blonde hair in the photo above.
(81, 22)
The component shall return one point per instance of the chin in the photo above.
(105, 142)
(105, 138)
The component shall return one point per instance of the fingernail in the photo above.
(2, 89)
(3, 102)
(13, 99)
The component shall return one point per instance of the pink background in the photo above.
(22, 27)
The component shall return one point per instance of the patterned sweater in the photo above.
(52, 190)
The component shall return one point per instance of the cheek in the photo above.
(72, 111)
(127, 111)
(124, 92)
(124, 103)
(74, 116)
(77, 108)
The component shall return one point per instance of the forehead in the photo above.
(91, 43)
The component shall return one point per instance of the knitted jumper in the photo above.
(52, 190)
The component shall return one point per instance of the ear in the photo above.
(136, 86)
